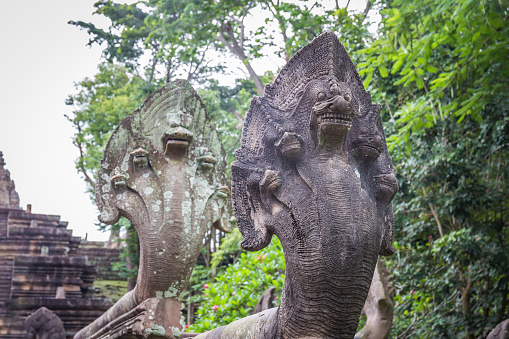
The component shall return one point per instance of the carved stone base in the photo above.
(154, 318)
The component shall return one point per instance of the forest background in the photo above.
(439, 68)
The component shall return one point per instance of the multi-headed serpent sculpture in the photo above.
(164, 170)
(313, 169)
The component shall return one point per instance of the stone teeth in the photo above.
(338, 119)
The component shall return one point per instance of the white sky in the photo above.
(40, 59)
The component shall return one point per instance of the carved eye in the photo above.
(347, 97)
(321, 96)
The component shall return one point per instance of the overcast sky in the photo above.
(40, 59)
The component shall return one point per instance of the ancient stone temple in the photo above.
(164, 170)
(8, 196)
(101, 256)
(40, 266)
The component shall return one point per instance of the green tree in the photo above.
(140, 31)
(234, 293)
(98, 107)
(440, 70)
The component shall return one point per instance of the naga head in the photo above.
(384, 179)
(164, 170)
(367, 142)
(333, 109)
(290, 145)
(297, 176)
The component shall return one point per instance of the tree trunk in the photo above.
(256, 79)
(238, 49)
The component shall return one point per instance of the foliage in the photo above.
(98, 107)
(450, 56)
(454, 189)
(440, 69)
(125, 37)
(229, 249)
(152, 29)
(234, 293)
(111, 289)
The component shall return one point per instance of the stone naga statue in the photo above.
(314, 170)
(164, 170)
(44, 324)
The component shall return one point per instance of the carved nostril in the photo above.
(140, 157)
(339, 104)
(118, 181)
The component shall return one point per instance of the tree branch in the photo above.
(80, 166)
(367, 8)
(222, 38)
(155, 49)
(435, 215)
(240, 118)
(282, 26)
(239, 52)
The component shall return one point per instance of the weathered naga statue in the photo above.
(164, 170)
(313, 169)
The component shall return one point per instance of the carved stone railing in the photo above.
(164, 170)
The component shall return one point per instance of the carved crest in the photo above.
(44, 324)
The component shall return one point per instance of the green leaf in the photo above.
(398, 64)
(431, 68)
(368, 78)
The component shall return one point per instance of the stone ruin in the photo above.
(102, 256)
(164, 170)
(42, 265)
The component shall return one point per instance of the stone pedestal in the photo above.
(153, 318)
